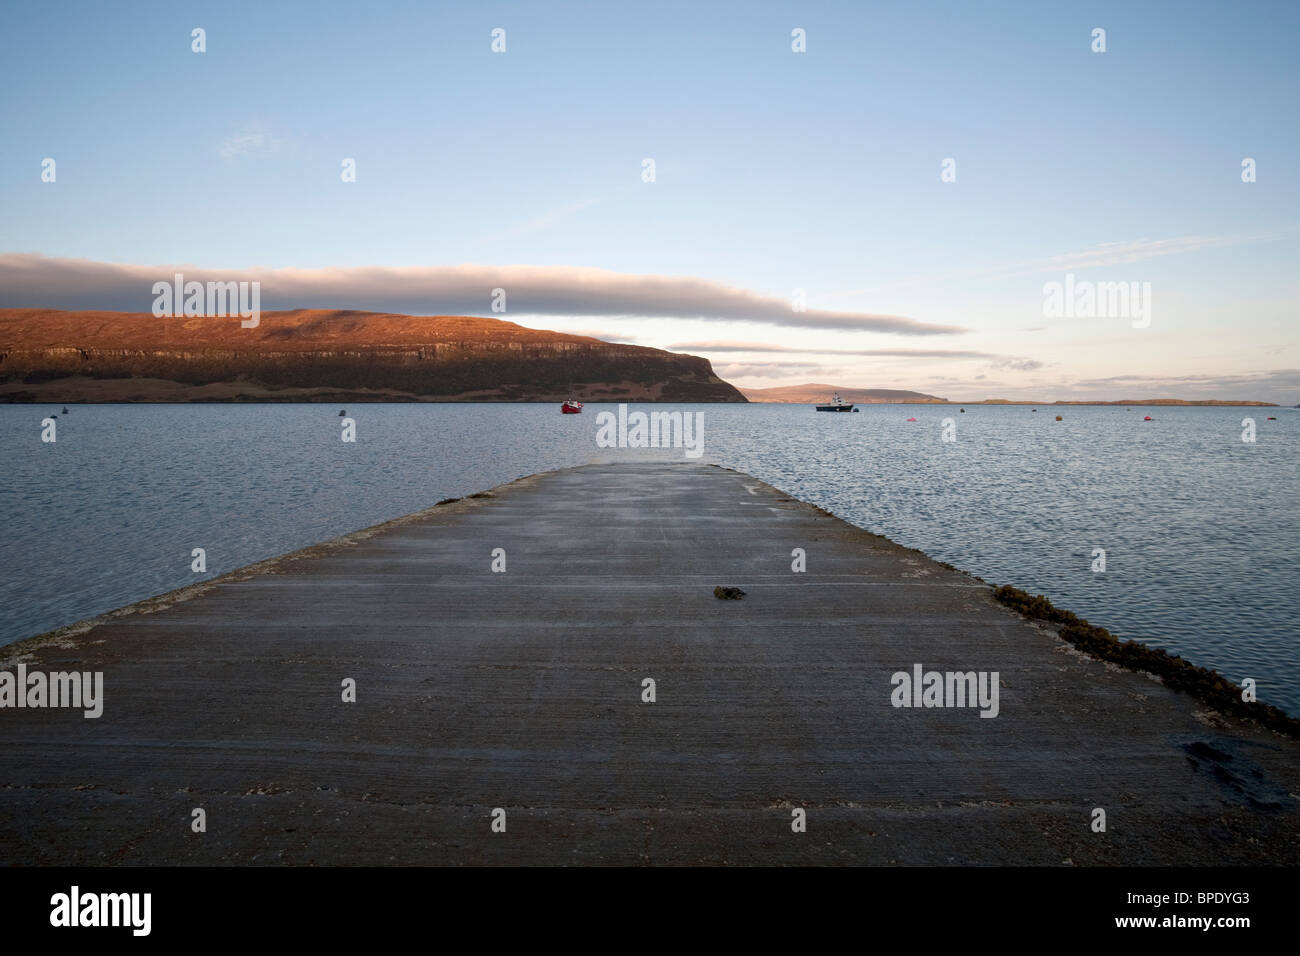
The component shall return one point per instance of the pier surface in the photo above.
(523, 691)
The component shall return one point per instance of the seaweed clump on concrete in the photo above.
(1202, 683)
(447, 501)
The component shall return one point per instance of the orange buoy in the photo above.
(1147, 419)
(1058, 418)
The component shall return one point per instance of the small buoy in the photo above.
(963, 411)
(65, 409)
(1058, 418)
(1147, 419)
(1035, 409)
(342, 413)
(911, 419)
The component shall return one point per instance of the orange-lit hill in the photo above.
(330, 355)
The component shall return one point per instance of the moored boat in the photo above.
(571, 407)
(836, 405)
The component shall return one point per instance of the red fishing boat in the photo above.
(571, 407)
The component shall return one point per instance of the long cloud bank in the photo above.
(811, 350)
(30, 279)
(996, 360)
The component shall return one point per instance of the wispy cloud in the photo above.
(1132, 250)
(738, 370)
(810, 350)
(31, 279)
(1017, 364)
(606, 335)
(545, 221)
(996, 360)
(1101, 255)
(1282, 378)
(253, 138)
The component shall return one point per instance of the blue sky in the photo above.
(775, 171)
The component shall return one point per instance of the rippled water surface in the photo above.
(1201, 530)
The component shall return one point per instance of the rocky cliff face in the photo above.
(305, 355)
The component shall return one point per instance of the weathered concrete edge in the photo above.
(1201, 683)
(1206, 685)
(63, 636)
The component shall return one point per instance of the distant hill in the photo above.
(804, 394)
(1176, 401)
(817, 394)
(330, 355)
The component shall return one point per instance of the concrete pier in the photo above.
(524, 690)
